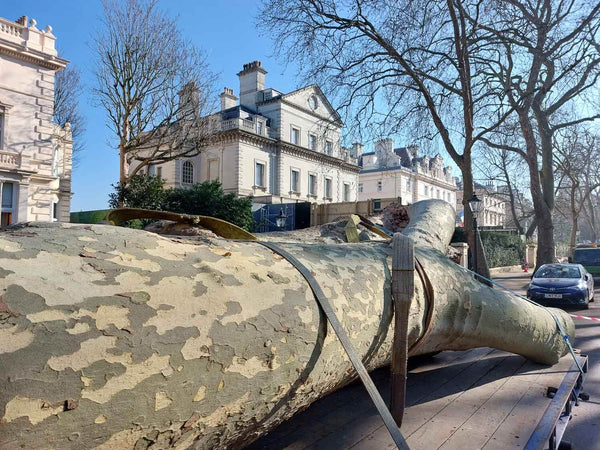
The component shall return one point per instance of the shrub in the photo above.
(502, 249)
(206, 199)
(143, 191)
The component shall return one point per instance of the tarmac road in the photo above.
(584, 430)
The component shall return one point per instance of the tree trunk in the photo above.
(543, 211)
(122, 338)
(591, 218)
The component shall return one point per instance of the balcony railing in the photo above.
(244, 124)
(10, 160)
(11, 28)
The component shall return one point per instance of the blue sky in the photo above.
(223, 28)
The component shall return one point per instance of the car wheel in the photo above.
(586, 305)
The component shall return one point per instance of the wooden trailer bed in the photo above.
(479, 398)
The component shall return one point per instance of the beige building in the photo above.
(272, 146)
(493, 213)
(35, 154)
(390, 172)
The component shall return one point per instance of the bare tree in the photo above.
(578, 168)
(547, 61)
(154, 85)
(396, 65)
(67, 92)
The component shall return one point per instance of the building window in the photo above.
(360, 187)
(187, 172)
(259, 127)
(259, 174)
(159, 172)
(8, 191)
(328, 188)
(152, 170)
(295, 136)
(294, 181)
(55, 212)
(426, 189)
(328, 148)
(408, 185)
(379, 186)
(346, 192)
(438, 193)
(312, 184)
(312, 142)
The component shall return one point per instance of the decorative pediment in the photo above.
(312, 99)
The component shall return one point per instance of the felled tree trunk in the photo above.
(117, 338)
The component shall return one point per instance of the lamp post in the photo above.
(476, 206)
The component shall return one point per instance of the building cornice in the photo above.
(295, 150)
(286, 148)
(32, 56)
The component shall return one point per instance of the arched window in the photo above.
(187, 173)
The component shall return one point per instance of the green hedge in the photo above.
(501, 249)
(89, 216)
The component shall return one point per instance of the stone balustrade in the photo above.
(10, 160)
(244, 124)
(28, 36)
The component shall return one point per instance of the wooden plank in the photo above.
(437, 419)
(479, 428)
(403, 290)
(518, 426)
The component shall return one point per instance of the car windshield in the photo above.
(558, 272)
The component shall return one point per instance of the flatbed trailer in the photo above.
(475, 399)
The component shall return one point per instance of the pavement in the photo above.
(584, 430)
(357, 426)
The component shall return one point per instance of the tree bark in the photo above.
(121, 338)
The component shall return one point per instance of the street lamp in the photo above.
(476, 206)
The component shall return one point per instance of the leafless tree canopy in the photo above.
(414, 68)
(456, 69)
(548, 65)
(144, 67)
(578, 170)
(67, 92)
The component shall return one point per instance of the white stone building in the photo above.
(35, 154)
(272, 146)
(493, 214)
(390, 172)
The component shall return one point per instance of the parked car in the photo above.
(562, 285)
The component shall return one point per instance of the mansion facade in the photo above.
(390, 172)
(273, 146)
(35, 153)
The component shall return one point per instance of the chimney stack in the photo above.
(357, 150)
(252, 80)
(228, 100)
(189, 102)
